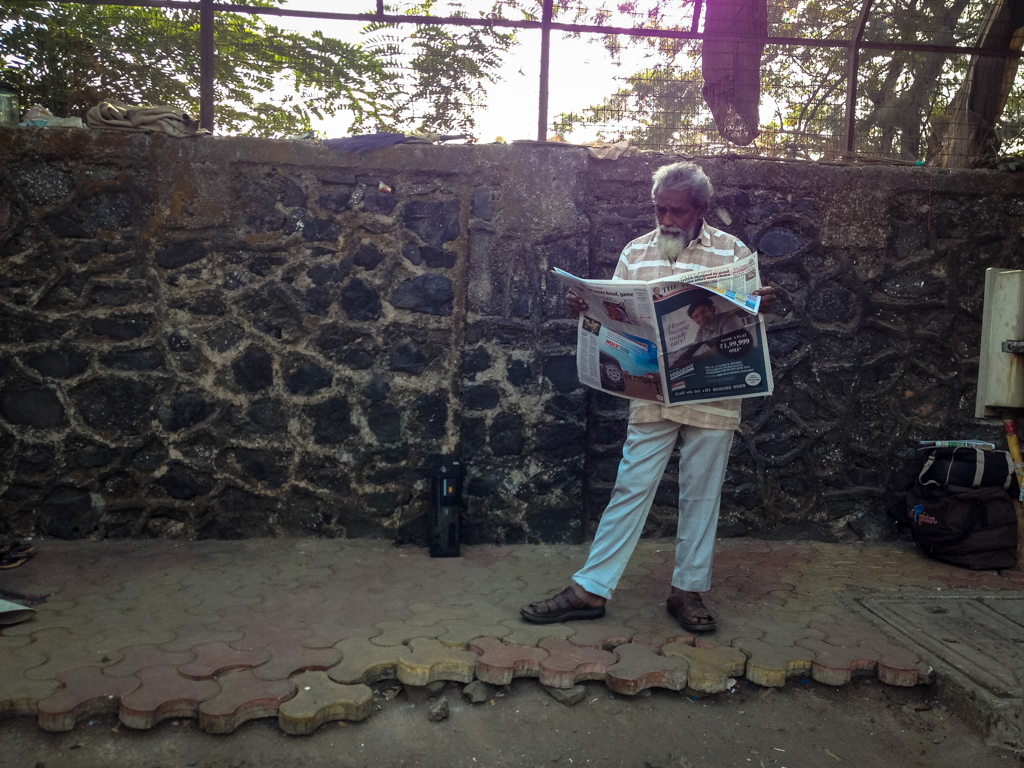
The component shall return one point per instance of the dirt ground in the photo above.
(805, 725)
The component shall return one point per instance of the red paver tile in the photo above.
(143, 656)
(593, 634)
(498, 663)
(87, 691)
(164, 694)
(896, 665)
(638, 667)
(567, 664)
(213, 659)
(835, 664)
(263, 631)
(288, 657)
(243, 696)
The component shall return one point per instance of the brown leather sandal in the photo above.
(565, 606)
(688, 609)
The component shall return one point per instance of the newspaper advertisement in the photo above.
(687, 338)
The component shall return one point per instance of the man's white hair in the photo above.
(683, 177)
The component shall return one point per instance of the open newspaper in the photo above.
(687, 338)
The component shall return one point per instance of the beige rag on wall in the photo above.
(118, 116)
(732, 70)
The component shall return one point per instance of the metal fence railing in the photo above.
(905, 80)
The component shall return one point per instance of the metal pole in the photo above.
(206, 65)
(698, 5)
(852, 64)
(545, 51)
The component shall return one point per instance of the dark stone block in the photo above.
(832, 303)
(476, 361)
(224, 337)
(325, 472)
(518, 373)
(783, 342)
(148, 359)
(910, 286)
(58, 363)
(262, 466)
(263, 417)
(185, 411)
(368, 257)
(264, 265)
(322, 274)
(119, 485)
(319, 299)
(121, 328)
(148, 457)
(68, 513)
(606, 431)
(292, 195)
(109, 210)
(480, 397)
(304, 377)
(120, 295)
(180, 254)
(412, 254)
(87, 456)
(407, 358)
(436, 223)
(561, 371)
(208, 304)
(35, 459)
(564, 407)
(37, 407)
(376, 201)
(472, 437)
(506, 435)
(236, 514)
(179, 342)
(337, 199)
(115, 404)
(778, 241)
(321, 230)
(437, 258)
(559, 442)
(348, 347)
(432, 414)
(43, 184)
(385, 421)
(553, 525)
(275, 312)
(254, 370)
(62, 226)
(180, 482)
(483, 198)
(430, 294)
(332, 421)
(302, 514)
(482, 485)
(360, 301)
(84, 252)
(377, 390)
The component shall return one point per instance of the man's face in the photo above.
(677, 216)
(704, 316)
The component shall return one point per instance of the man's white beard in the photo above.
(670, 243)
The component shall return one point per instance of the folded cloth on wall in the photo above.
(118, 116)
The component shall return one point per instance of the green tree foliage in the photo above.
(269, 81)
(900, 94)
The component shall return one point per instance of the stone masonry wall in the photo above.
(233, 337)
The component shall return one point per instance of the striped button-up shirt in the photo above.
(640, 261)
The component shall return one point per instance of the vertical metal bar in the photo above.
(545, 53)
(206, 64)
(380, 7)
(698, 6)
(852, 64)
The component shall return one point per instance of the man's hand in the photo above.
(768, 297)
(576, 304)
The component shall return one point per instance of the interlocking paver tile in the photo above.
(242, 697)
(712, 670)
(458, 633)
(769, 665)
(400, 633)
(53, 639)
(18, 694)
(164, 694)
(364, 662)
(139, 657)
(430, 660)
(87, 691)
(498, 663)
(600, 634)
(567, 664)
(320, 700)
(68, 657)
(327, 633)
(214, 659)
(287, 658)
(524, 633)
(48, 615)
(190, 635)
(126, 637)
(896, 665)
(835, 664)
(261, 632)
(639, 666)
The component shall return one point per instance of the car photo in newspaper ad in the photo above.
(626, 365)
(712, 349)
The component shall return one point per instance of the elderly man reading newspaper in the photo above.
(682, 242)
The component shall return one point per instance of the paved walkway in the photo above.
(297, 629)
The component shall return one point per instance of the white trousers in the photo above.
(703, 456)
